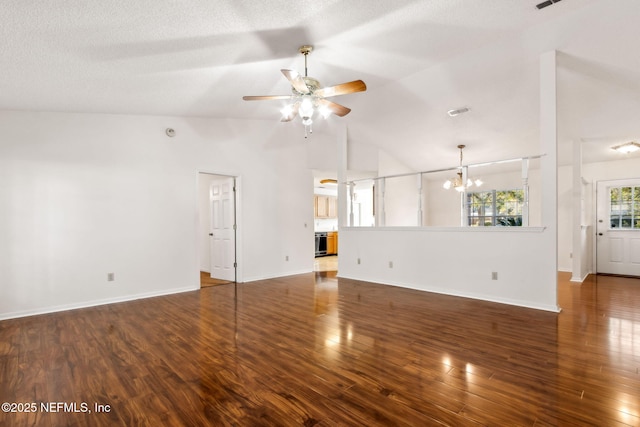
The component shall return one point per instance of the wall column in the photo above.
(549, 169)
(342, 176)
(576, 214)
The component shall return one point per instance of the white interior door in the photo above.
(618, 227)
(222, 235)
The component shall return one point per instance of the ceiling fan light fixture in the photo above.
(627, 148)
(309, 97)
(306, 107)
(286, 111)
(324, 111)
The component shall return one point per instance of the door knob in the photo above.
(210, 234)
(599, 234)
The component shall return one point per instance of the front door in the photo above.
(222, 236)
(618, 227)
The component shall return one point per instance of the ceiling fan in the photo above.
(309, 97)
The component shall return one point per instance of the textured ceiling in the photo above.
(418, 58)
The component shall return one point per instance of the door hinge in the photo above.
(235, 265)
(235, 226)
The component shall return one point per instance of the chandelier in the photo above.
(458, 182)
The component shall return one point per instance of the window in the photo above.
(495, 207)
(625, 207)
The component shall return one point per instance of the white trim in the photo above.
(94, 303)
(578, 279)
(238, 208)
(276, 275)
(450, 229)
(481, 297)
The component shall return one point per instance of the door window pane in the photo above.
(625, 207)
(636, 207)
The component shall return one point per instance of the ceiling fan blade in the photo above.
(266, 97)
(291, 114)
(296, 81)
(341, 89)
(337, 109)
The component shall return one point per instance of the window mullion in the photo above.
(633, 207)
(493, 208)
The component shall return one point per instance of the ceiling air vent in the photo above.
(458, 111)
(546, 3)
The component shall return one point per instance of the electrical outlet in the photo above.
(286, 258)
(358, 261)
(494, 275)
(390, 264)
(111, 277)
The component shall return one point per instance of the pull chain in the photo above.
(305, 64)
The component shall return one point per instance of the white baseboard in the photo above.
(93, 303)
(275, 275)
(577, 279)
(518, 303)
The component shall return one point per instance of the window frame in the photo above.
(634, 212)
(494, 215)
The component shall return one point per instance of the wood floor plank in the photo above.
(316, 350)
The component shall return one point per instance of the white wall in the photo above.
(461, 260)
(82, 195)
(592, 173)
(443, 206)
(453, 261)
(449, 259)
(400, 202)
(363, 215)
(565, 220)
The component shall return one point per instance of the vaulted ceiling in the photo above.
(418, 58)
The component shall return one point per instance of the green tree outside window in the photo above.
(625, 207)
(495, 208)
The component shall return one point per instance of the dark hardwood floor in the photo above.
(206, 280)
(316, 350)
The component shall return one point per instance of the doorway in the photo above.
(618, 227)
(325, 221)
(218, 229)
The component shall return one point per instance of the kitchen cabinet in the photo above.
(325, 207)
(332, 242)
(332, 207)
(321, 207)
